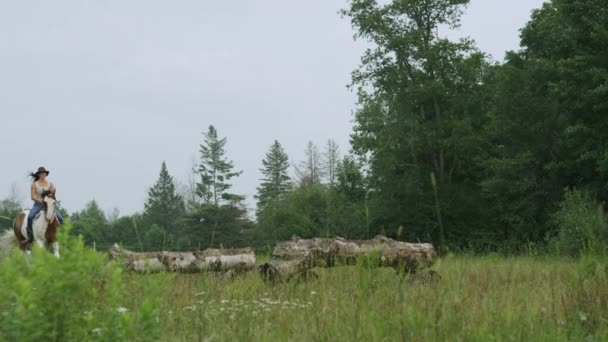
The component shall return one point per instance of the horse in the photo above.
(44, 229)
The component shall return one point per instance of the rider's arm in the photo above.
(53, 189)
(33, 193)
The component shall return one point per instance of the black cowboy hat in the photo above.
(42, 170)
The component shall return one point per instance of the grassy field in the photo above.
(477, 299)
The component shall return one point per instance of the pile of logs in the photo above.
(293, 258)
(297, 257)
(214, 260)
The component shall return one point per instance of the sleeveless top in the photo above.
(40, 189)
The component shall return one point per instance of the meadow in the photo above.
(537, 295)
(477, 299)
(83, 297)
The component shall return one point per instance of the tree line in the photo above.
(207, 214)
(448, 146)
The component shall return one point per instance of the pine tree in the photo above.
(276, 182)
(164, 206)
(214, 169)
(331, 158)
(309, 171)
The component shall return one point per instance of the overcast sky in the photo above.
(101, 92)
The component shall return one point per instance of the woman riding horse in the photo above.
(39, 186)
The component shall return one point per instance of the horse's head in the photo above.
(48, 197)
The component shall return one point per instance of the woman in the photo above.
(40, 185)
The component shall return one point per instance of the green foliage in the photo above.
(156, 238)
(302, 213)
(210, 226)
(126, 231)
(80, 297)
(311, 211)
(547, 127)
(214, 169)
(349, 179)
(92, 225)
(421, 112)
(276, 182)
(582, 226)
(9, 208)
(164, 207)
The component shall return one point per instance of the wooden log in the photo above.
(297, 257)
(209, 260)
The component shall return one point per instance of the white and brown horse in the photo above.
(44, 229)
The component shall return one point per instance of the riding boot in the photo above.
(30, 232)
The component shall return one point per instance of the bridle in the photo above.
(45, 207)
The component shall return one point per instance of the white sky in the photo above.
(101, 92)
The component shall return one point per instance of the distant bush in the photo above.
(80, 297)
(581, 225)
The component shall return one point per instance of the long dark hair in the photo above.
(34, 177)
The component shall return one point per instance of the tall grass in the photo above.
(83, 297)
(477, 299)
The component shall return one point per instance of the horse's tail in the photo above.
(8, 241)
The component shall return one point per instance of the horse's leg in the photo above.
(56, 249)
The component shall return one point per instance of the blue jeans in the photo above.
(32, 215)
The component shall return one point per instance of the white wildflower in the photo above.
(312, 293)
(190, 308)
(121, 310)
(96, 331)
(582, 316)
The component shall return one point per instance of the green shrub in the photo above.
(581, 225)
(80, 297)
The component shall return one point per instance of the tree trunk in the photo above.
(214, 260)
(297, 257)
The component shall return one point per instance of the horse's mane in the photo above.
(48, 193)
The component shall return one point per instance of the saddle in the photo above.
(29, 234)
